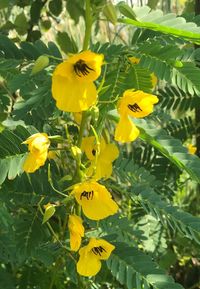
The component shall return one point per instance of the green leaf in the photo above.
(66, 43)
(136, 268)
(55, 7)
(4, 4)
(167, 24)
(21, 23)
(170, 148)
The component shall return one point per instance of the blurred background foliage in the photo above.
(156, 180)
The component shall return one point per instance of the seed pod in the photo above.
(40, 63)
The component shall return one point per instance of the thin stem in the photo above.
(88, 25)
(83, 122)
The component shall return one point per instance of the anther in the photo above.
(98, 250)
(87, 195)
(94, 152)
(80, 67)
(134, 107)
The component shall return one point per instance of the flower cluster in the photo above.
(74, 91)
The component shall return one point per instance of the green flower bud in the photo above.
(126, 10)
(40, 63)
(110, 12)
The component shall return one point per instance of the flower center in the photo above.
(98, 250)
(94, 152)
(134, 107)
(80, 67)
(87, 195)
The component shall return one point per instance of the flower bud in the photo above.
(49, 212)
(110, 12)
(126, 10)
(40, 63)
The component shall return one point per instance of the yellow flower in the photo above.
(101, 162)
(38, 145)
(126, 131)
(95, 199)
(136, 104)
(72, 81)
(89, 263)
(192, 149)
(154, 79)
(76, 231)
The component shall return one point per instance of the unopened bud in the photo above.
(126, 10)
(49, 212)
(110, 12)
(40, 63)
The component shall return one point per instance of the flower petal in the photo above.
(88, 264)
(72, 96)
(93, 62)
(95, 199)
(76, 230)
(110, 153)
(136, 103)
(105, 248)
(103, 169)
(126, 131)
(33, 162)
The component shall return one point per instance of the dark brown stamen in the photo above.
(87, 195)
(80, 67)
(98, 250)
(94, 152)
(134, 107)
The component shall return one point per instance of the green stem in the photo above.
(82, 126)
(88, 25)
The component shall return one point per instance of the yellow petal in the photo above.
(75, 241)
(89, 147)
(75, 225)
(126, 131)
(134, 60)
(95, 199)
(137, 103)
(110, 153)
(103, 169)
(88, 264)
(71, 95)
(81, 67)
(92, 63)
(38, 145)
(154, 80)
(76, 230)
(192, 149)
(34, 162)
(100, 248)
